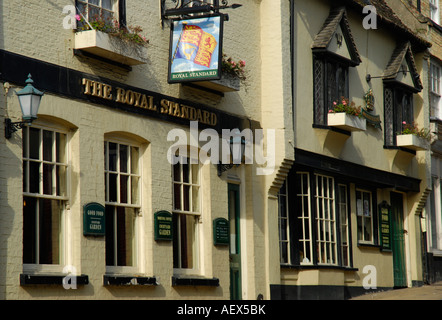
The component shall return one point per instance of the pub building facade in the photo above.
(102, 196)
(93, 207)
(348, 205)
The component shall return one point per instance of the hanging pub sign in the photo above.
(384, 226)
(196, 49)
(94, 219)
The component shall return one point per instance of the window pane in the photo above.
(60, 152)
(187, 237)
(47, 145)
(106, 4)
(134, 158)
(47, 178)
(49, 233)
(186, 198)
(186, 173)
(123, 188)
(25, 142)
(195, 199)
(177, 172)
(123, 158)
(125, 236)
(177, 196)
(134, 190)
(34, 177)
(25, 176)
(195, 173)
(113, 187)
(29, 230)
(110, 241)
(61, 180)
(34, 143)
(112, 156)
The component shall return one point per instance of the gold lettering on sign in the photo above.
(143, 101)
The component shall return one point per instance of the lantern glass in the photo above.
(29, 99)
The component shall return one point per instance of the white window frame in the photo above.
(361, 214)
(305, 219)
(284, 216)
(434, 11)
(435, 90)
(136, 207)
(344, 224)
(196, 270)
(64, 242)
(114, 10)
(325, 199)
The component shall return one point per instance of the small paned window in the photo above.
(101, 13)
(398, 112)
(186, 214)
(330, 84)
(283, 224)
(122, 200)
(364, 212)
(45, 168)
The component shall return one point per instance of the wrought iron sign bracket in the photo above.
(184, 8)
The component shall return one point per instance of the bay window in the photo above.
(314, 224)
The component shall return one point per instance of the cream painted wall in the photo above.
(45, 39)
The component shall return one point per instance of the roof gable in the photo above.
(402, 68)
(335, 37)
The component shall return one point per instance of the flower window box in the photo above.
(411, 141)
(227, 83)
(346, 121)
(110, 47)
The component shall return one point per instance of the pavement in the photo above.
(425, 292)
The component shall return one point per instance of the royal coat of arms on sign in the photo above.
(195, 49)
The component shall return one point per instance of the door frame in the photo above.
(399, 249)
(237, 294)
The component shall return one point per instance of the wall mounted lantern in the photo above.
(237, 151)
(29, 99)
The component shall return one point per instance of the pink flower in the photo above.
(330, 111)
(242, 63)
(77, 16)
(404, 122)
(335, 103)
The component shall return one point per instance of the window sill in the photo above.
(312, 267)
(194, 281)
(128, 280)
(50, 279)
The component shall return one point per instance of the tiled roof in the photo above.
(323, 38)
(402, 51)
(386, 15)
